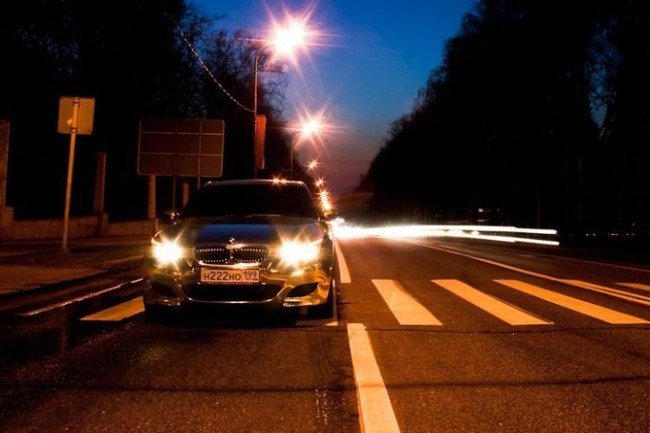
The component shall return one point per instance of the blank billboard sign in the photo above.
(181, 147)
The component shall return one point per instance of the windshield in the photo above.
(256, 199)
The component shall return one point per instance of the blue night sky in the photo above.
(375, 58)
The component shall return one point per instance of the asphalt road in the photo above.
(430, 336)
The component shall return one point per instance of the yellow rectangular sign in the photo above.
(85, 118)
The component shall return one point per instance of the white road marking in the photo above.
(375, 410)
(637, 286)
(500, 309)
(119, 312)
(611, 265)
(77, 300)
(634, 297)
(344, 273)
(406, 309)
(639, 299)
(577, 305)
(335, 312)
(593, 262)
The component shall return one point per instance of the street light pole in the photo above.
(284, 41)
(255, 66)
(291, 160)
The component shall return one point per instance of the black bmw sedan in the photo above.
(259, 243)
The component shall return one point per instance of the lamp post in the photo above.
(286, 38)
(256, 62)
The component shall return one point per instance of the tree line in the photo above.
(128, 54)
(539, 115)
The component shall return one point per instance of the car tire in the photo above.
(288, 316)
(158, 314)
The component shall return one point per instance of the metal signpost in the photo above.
(75, 117)
(180, 147)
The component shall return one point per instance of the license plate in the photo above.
(230, 276)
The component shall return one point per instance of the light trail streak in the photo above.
(491, 233)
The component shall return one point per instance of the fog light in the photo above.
(303, 290)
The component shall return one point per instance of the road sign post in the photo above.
(4, 160)
(68, 183)
(151, 208)
(100, 183)
(6, 213)
(186, 191)
(75, 117)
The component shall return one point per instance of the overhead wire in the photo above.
(208, 71)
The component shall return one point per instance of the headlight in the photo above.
(167, 252)
(296, 253)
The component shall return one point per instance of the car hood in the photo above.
(247, 230)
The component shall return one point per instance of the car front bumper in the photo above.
(278, 288)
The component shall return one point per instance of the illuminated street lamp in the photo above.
(308, 129)
(327, 206)
(325, 202)
(320, 183)
(286, 38)
(293, 34)
(312, 165)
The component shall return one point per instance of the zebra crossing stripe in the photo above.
(406, 309)
(577, 305)
(639, 299)
(119, 312)
(622, 294)
(500, 309)
(644, 287)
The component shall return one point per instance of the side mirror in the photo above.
(168, 217)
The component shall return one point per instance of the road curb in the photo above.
(107, 267)
(16, 293)
(123, 264)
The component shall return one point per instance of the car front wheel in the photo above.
(159, 314)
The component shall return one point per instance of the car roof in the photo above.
(256, 182)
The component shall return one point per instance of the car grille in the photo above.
(220, 255)
(212, 255)
(232, 293)
(250, 254)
